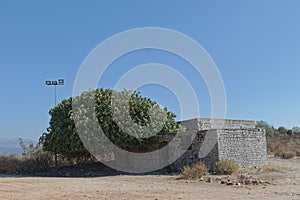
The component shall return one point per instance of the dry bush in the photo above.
(226, 167)
(297, 152)
(288, 154)
(24, 164)
(194, 172)
(280, 151)
(8, 163)
(283, 145)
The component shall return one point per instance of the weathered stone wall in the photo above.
(207, 124)
(245, 146)
(239, 141)
(203, 148)
(191, 154)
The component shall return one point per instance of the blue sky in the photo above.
(255, 44)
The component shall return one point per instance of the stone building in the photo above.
(212, 140)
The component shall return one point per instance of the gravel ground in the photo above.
(285, 184)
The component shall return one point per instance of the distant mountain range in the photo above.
(12, 146)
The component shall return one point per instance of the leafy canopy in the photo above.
(63, 139)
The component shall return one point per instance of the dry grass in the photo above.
(265, 169)
(270, 168)
(226, 167)
(285, 146)
(24, 164)
(194, 172)
(288, 154)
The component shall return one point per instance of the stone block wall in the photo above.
(245, 146)
(190, 155)
(209, 142)
(214, 140)
(207, 124)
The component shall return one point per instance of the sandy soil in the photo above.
(285, 184)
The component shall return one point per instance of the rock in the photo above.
(229, 183)
(247, 182)
(264, 182)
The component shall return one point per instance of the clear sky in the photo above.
(255, 44)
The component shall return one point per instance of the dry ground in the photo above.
(284, 178)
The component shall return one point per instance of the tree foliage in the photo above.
(270, 130)
(282, 130)
(296, 130)
(62, 137)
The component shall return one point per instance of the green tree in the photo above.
(62, 138)
(270, 130)
(282, 130)
(296, 129)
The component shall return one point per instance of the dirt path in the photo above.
(286, 185)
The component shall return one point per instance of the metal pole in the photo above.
(55, 155)
(54, 95)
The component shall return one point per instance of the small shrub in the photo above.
(288, 154)
(226, 167)
(194, 172)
